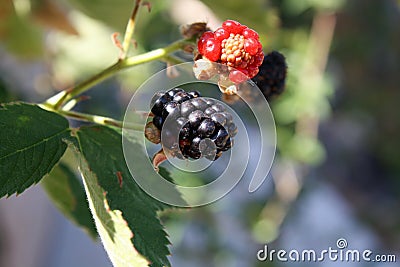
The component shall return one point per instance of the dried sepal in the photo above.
(152, 133)
(158, 158)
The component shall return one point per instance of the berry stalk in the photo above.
(95, 119)
(58, 100)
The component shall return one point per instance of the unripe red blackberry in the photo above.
(233, 45)
(200, 127)
(272, 75)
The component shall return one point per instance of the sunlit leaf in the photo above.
(110, 183)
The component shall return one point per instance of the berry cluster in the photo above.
(236, 46)
(200, 126)
(272, 75)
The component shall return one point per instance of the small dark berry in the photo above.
(218, 107)
(195, 145)
(155, 98)
(210, 102)
(220, 138)
(209, 111)
(219, 117)
(228, 117)
(232, 129)
(206, 128)
(195, 118)
(228, 145)
(187, 108)
(181, 121)
(272, 75)
(194, 94)
(181, 97)
(158, 107)
(158, 121)
(194, 154)
(174, 91)
(169, 108)
(185, 132)
(199, 103)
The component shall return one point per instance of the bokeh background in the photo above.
(337, 169)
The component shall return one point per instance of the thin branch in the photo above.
(63, 97)
(130, 27)
(95, 119)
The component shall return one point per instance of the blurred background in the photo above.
(337, 169)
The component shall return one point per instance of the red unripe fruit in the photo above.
(258, 59)
(221, 34)
(238, 76)
(249, 33)
(212, 49)
(252, 71)
(251, 46)
(202, 41)
(233, 26)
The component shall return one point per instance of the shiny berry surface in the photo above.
(158, 122)
(169, 108)
(236, 46)
(251, 46)
(202, 41)
(221, 137)
(158, 106)
(232, 26)
(199, 127)
(206, 128)
(250, 33)
(221, 34)
(212, 49)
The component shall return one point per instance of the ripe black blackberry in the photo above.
(200, 127)
(162, 104)
(272, 75)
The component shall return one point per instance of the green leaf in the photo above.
(68, 195)
(31, 144)
(113, 230)
(108, 182)
(5, 93)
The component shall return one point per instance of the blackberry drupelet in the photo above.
(272, 75)
(201, 127)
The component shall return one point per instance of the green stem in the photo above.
(61, 98)
(95, 119)
(130, 27)
(172, 60)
